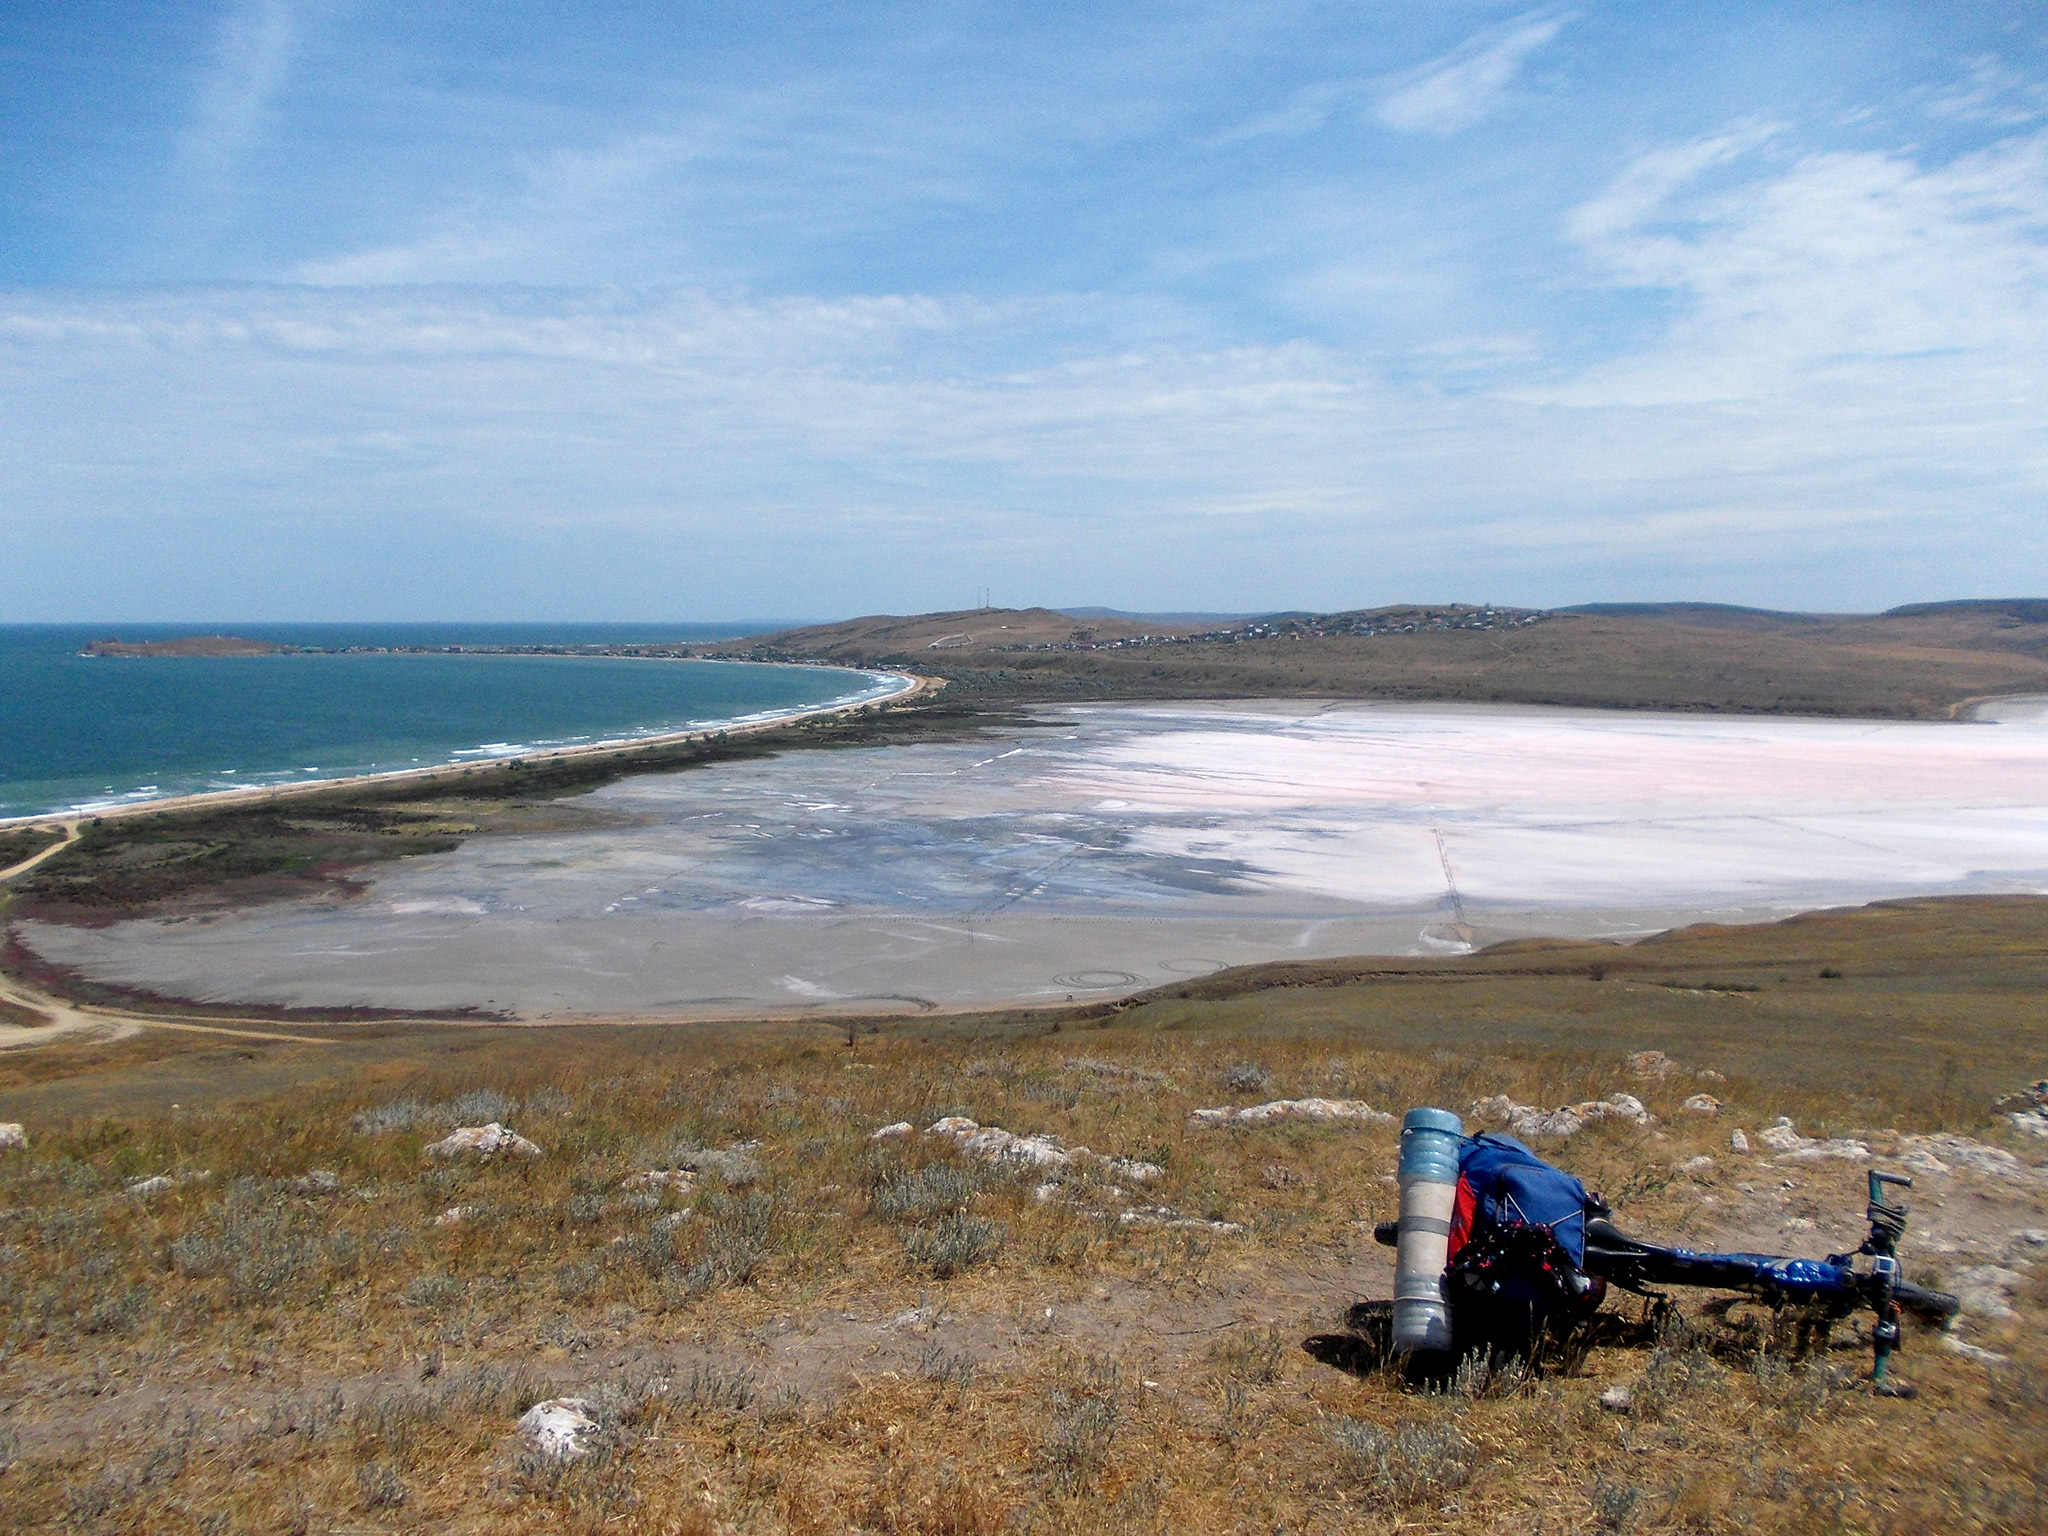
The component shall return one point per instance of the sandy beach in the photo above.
(906, 688)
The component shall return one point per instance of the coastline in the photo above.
(911, 687)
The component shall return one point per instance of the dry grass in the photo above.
(842, 1335)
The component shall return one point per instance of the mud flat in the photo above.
(1112, 847)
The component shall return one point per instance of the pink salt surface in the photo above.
(1120, 846)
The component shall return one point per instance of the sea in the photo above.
(80, 733)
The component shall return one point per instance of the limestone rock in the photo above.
(1987, 1289)
(902, 1130)
(1321, 1111)
(1167, 1216)
(490, 1140)
(1651, 1064)
(1045, 1153)
(1568, 1120)
(1974, 1352)
(1617, 1399)
(1738, 1140)
(12, 1135)
(1942, 1150)
(2030, 1122)
(1784, 1139)
(681, 1180)
(1700, 1164)
(1702, 1104)
(142, 1189)
(560, 1428)
(455, 1216)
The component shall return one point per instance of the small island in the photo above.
(187, 645)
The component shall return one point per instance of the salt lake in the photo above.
(1110, 847)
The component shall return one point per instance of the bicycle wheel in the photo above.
(1928, 1306)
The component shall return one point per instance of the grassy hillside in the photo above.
(1917, 663)
(828, 1333)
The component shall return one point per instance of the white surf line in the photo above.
(258, 794)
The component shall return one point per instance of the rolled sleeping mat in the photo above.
(1430, 1142)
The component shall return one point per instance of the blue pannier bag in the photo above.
(1501, 1183)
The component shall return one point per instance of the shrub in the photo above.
(955, 1244)
(933, 1189)
(1413, 1462)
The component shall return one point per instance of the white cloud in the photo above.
(573, 204)
(1867, 277)
(252, 61)
(1469, 83)
(734, 455)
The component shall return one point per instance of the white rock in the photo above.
(142, 1189)
(1944, 1148)
(1786, 1141)
(1044, 1153)
(1702, 1104)
(1166, 1216)
(1133, 1170)
(1698, 1164)
(1651, 1064)
(2029, 1122)
(1322, 1111)
(1617, 1399)
(1781, 1136)
(1987, 1289)
(1973, 1351)
(1737, 1140)
(455, 1216)
(483, 1141)
(1527, 1120)
(682, 1180)
(12, 1135)
(559, 1428)
(897, 1132)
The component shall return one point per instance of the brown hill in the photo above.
(1919, 662)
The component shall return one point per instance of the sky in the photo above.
(344, 309)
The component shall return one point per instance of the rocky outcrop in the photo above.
(1784, 1139)
(560, 1429)
(1320, 1111)
(492, 1140)
(994, 1144)
(142, 1189)
(1567, 1120)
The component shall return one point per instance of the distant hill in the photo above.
(1922, 661)
(1712, 615)
(188, 645)
(2027, 610)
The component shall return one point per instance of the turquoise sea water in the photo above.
(80, 732)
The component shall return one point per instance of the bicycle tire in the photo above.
(1928, 1306)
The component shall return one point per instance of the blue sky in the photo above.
(342, 309)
